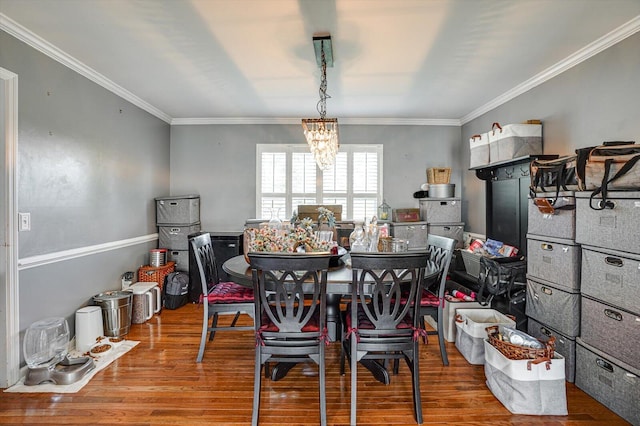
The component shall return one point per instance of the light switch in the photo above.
(24, 222)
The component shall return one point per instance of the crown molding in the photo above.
(23, 34)
(603, 43)
(296, 121)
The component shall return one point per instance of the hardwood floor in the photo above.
(159, 382)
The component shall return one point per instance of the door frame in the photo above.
(10, 332)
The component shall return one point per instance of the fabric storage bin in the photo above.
(451, 306)
(525, 387)
(181, 259)
(471, 331)
(612, 330)
(558, 308)
(176, 237)
(449, 230)
(611, 277)
(479, 150)
(514, 141)
(611, 382)
(565, 346)
(555, 260)
(559, 224)
(440, 210)
(613, 228)
(414, 232)
(178, 210)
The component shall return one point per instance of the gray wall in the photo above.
(596, 101)
(219, 163)
(89, 167)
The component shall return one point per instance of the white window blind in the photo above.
(288, 176)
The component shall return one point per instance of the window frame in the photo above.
(289, 149)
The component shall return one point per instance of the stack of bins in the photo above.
(607, 360)
(177, 217)
(553, 275)
(443, 217)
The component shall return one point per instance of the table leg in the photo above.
(333, 317)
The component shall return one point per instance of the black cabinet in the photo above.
(507, 194)
(225, 246)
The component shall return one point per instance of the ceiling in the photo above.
(396, 61)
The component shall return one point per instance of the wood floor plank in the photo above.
(159, 383)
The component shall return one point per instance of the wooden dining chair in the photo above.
(382, 321)
(290, 324)
(432, 298)
(217, 297)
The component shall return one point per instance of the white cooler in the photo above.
(471, 331)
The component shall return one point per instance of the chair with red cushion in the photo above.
(217, 297)
(432, 299)
(382, 321)
(290, 304)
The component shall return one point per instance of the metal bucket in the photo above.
(116, 312)
(442, 190)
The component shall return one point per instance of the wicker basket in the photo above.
(438, 175)
(153, 274)
(519, 352)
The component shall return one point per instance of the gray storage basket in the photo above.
(612, 228)
(471, 331)
(564, 345)
(611, 382)
(176, 237)
(450, 230)
(184, 210)
(558, 308)
(441, 210)
(612, 330)
(612, 277)
(555, 260)
(560, 224)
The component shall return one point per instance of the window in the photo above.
(287, 176)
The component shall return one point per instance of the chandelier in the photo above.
(322, 133)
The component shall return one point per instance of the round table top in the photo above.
(338, 278)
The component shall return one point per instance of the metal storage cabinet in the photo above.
(610, 381)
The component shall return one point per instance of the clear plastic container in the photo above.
(46, 342)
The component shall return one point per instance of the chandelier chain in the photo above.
(322, 103)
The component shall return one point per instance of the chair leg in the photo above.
(354, 380)
(323, 390)
(443, 348)
(235, 319)
(415, 378)
(424, 327)
(343, 355)
(214, 324)
(257, 384)
(203, 338)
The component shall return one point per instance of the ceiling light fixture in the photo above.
(322, 133)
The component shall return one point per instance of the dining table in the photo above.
(339, 283)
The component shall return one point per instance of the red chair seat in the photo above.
(229, 292)
(429, 299)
